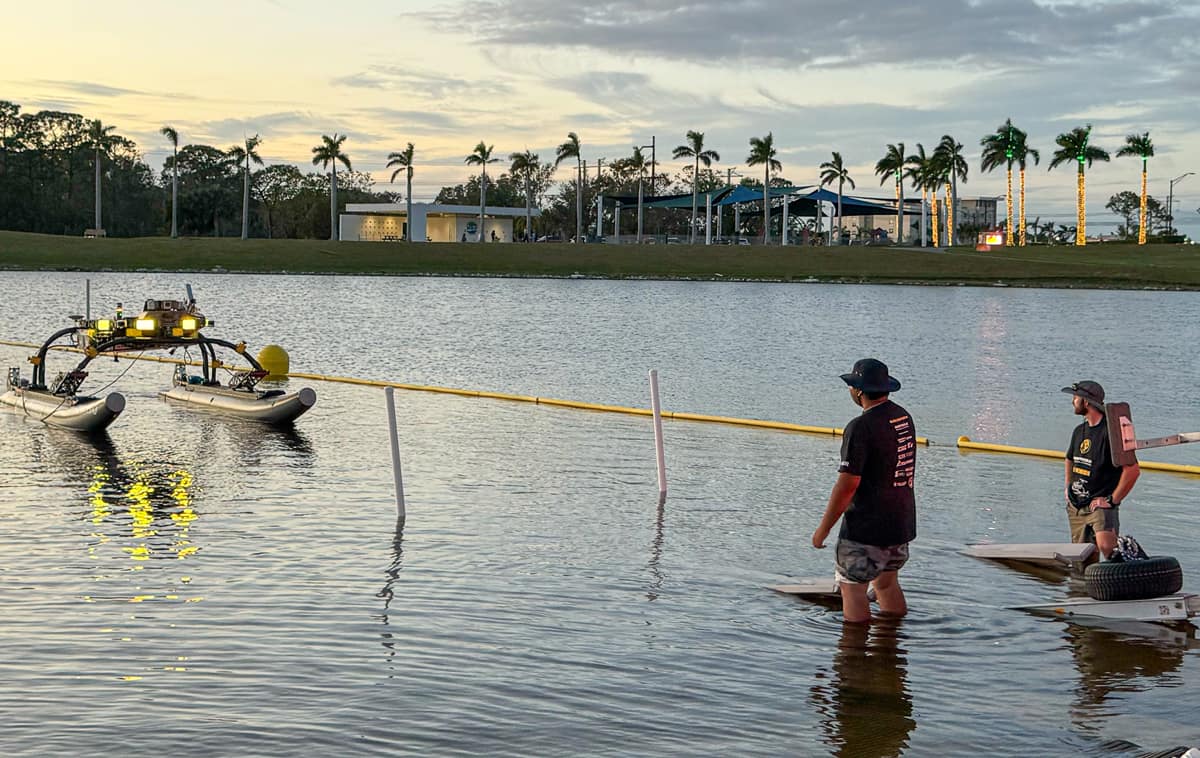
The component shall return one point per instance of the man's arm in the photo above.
(1067, 485)
(839, 500)
(1129, 475)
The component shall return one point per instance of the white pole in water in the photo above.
(658, 434)
(87, 303)
(391, 408)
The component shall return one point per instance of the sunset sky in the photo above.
(522, 73)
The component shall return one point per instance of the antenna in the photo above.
(190, 297)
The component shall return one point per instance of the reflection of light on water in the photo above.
(993, 411)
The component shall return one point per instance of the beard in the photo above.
(1080, 407)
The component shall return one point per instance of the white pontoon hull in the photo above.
(256, 406)
(81, 414)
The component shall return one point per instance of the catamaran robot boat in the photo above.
(161, 324)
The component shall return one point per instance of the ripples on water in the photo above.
(194, 586)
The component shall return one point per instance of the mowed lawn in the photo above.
(1098, 265)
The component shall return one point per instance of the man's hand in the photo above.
(1100, 502)
(818, 538)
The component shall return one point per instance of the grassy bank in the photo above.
(1107, 265)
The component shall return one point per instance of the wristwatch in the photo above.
(1113, 503)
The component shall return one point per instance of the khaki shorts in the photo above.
(1085, 523)
(858, 563)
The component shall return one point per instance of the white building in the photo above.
(387, 222)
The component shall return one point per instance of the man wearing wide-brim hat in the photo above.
(874, 491)
(1095, 485)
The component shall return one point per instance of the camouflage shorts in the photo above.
(858, 563)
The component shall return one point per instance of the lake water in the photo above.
(197, 586)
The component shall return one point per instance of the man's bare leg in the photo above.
(889, 595)
(856, 608)
(1106, 542)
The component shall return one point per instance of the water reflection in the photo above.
(388, 591)
(1116, 658)
(865, 704)
(656, 547)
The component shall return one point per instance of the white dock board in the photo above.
(1044, 553)
(1177, 607)
(809, 587)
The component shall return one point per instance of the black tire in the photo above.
(1133, 580)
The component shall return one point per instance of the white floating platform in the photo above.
(1178, 607)
(1039, 553)
(81, 414)
(810, 588)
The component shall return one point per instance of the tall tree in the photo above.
(762, 153)
(1075, 146)
(1022, 152)
(243, 156)
(326, 155)
(834, 170)
(892, 165)
(954, 163)
(918, 173)
(573, 149)
(999, 149)
(481, 157)
(173, 137)
(101, 139)
(694, 149)
(525, 166)
(1141, 146)
(403, 161)
(638, 162)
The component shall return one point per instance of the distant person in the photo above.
(1095, 486)
(464, 237)
(874, 490)
(495, 237)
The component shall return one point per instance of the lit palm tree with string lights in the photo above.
(572, 148)
(917, 173)
(999, 149)
(891, 165)
(1022, 153)
(243, 157)
(762, 153)
(481, 157)
(101, 140)
(326, 155)
(403, 161)
(950, 158)
(834, 170)
(1075, 146)
(525, 165)
(694, 149)
(1141, 146)
(173, 137)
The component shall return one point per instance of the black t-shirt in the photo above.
(1092, 471)
(881, 447)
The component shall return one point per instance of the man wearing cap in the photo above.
(1095, 485)
(874, 490)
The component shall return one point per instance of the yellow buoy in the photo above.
(275, 360)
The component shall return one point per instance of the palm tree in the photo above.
(892, 164)
(1073, 146)
(573, 149)
(526, 165)
(835, 171)
(1022, 152)
(1000, 149)
(918, 173)
(101, 139)
(694, 149)
(327, 154)
(954, 164)
(762, 153)
(243, 156)
(403, 161)
(173, 137)
(638, 163)
(481, 157)
(1139, 145)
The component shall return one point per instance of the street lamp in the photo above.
(1171, 200)
(729, 174)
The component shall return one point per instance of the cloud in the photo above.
(92, 89)
(818, 33)
(421, 84)
(405, 119)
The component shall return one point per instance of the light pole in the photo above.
(729, 174)
(1171, 200)
(652, 164)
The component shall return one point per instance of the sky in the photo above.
(520, 74)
